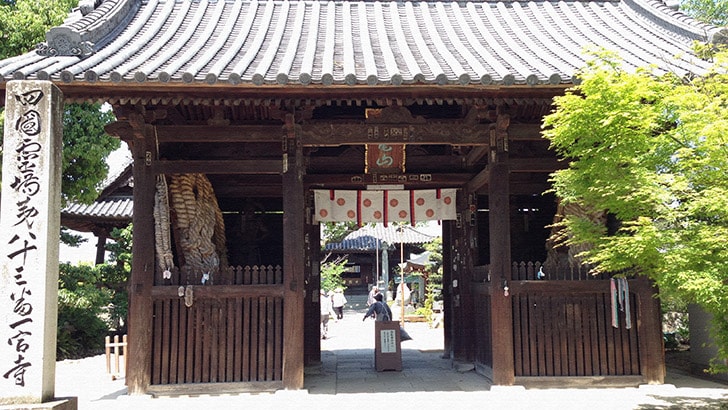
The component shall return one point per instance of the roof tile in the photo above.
(308, 42)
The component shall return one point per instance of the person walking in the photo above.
(379, 310)
(326, 310)
(338, 301)
(372, 292)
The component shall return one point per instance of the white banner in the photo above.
(393, 205)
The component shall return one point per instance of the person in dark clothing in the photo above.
(379, 310)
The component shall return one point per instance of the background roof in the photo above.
(377, 236)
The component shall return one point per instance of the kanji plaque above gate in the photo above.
(384, 159)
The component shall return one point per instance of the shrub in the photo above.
(81, 309)
(93, 301)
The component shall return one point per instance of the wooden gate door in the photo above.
(229, 332)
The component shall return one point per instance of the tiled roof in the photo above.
(115, 201)
(303, 43)
(111, 208)
(367, 237)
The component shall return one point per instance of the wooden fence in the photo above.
(557, 334)
(116, 354)
(563, 327)
(230, 275)
(228, 331)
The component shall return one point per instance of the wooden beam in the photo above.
(237, 192)
(451, 133)
(249, 166)
(355, 163)
(220, 291)
(532, 188)
(475, 155)
(479, 181)
(524, 132)
(540, 164)
(360, 181)
(217, 133)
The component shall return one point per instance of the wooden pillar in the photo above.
(293, 264)
(649, 329)
(100, 248)
(463, 342)
(312, 311)
(500, 255)
(138, 375)
(447, 297)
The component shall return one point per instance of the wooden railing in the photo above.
(116, 350)
(220, 333)
(231, 275)
(561, 326)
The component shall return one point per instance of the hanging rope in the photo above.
(162, 241)
(199, 224)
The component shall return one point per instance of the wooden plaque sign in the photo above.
(384, 159)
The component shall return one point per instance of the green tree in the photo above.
(651, 151)
(337, 231)
(23, 24)
(85, 149)
(93, 300)
(331, 274)
(713, 12)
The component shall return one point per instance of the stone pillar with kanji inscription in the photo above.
(29, 232)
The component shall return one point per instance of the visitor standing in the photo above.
(338, 301)
(372, 292)
(326, 309)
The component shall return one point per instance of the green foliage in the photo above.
(86, 146)
(81, 305)
(93, 301)
(434, 270)
(120, 250)
(713, 12)
(337, 231)
(116, 275)
(331, 274)
(23, 23)
(652, 152)
(85, 149)
(71, 239)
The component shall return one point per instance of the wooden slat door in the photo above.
(230, 333)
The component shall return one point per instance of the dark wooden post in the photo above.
(138, 375)
(101, 248)
(447, 298)
(500, 255)
(463, 342)
(649, 329)
(293, 262)
(312, 310)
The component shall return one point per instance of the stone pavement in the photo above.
(346, 379)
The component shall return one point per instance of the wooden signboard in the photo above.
(384, 159)
(388, 349)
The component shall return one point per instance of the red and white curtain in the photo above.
(384, 206)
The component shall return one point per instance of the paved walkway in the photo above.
(347, 379)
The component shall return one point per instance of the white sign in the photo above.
(388, 340)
